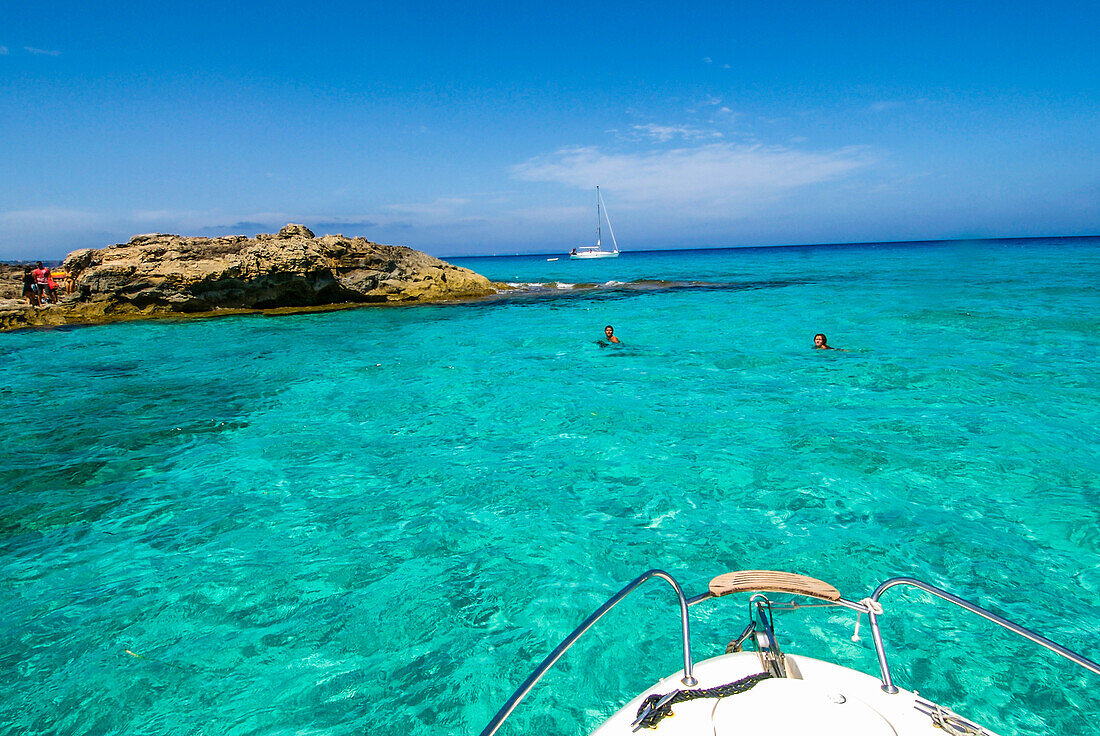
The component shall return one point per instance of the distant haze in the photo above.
(465, 129)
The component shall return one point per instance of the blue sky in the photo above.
(483, 128)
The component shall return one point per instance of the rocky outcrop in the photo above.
(11, 282)
(162, 275)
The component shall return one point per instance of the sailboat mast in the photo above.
(599, 221)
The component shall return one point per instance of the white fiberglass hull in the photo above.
(593, 254)
(825, 700)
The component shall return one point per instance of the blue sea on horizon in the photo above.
(381, 520)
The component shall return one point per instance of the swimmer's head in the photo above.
(609, 330)
(819, 340)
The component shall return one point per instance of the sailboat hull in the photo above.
(585, 255)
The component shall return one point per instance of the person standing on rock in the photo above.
(42, 283)
(29, 287)
(52, 285)
(65, 280)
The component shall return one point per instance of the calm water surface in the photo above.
(379, 521)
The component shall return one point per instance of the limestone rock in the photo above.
(146, 237)
(11, 282)
(157, 274)
(292, 230)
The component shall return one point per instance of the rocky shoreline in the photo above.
(159, 275)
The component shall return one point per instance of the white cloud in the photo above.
(665, 133)
(55, 217)
(707, 60)
(52, 232)
(715, 174)
(441, 209)
(49, 232)
(3, 50)
(41, 52)
(62, 222)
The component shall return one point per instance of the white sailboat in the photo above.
(597, 251)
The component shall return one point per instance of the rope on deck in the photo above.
(656, 707)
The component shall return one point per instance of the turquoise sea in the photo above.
(380, 520)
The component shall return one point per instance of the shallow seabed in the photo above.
(379, 521)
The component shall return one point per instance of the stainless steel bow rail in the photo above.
(760, 626)
(555, 655)
(887, 682)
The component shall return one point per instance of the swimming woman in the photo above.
(822, 343)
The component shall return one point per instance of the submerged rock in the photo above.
(163, 275)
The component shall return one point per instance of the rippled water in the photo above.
(381, 520)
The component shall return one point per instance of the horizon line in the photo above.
(58, 261)
(796, 245)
